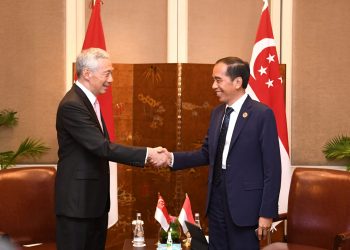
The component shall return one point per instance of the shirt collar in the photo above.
(92, 98)
(237, 105)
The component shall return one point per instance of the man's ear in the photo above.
(86, 74)
(238, 81)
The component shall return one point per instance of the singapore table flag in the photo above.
(161, 214)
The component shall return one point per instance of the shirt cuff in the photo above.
(146, 156)
(171, 163)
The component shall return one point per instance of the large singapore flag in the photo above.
(266, 86)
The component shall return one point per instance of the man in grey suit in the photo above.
(242, 151)
(82, 181)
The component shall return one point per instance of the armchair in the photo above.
(318, 211)
(27, 212)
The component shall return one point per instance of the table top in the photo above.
(151, 244)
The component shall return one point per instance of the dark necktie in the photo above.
(221, 145)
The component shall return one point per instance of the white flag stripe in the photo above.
(113, 194)
(159, 216)
(182, 218)
(285, 178)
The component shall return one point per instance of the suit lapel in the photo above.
(89, 106)
(105, 131)
(242, 119)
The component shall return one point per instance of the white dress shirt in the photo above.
(92, 98)
(237, 105)
(233, 118)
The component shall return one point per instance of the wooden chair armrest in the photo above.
(282, 216)
(340, 239)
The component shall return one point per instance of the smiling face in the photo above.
(98, 80)
(226, 89)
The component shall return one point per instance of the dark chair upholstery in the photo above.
(318, 211)
(27, 212)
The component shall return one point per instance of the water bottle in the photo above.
(139, 239)
(169, 241)
(197, 221)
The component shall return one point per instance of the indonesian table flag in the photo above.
(94, 38)
(186, 214)
(266, 86)
(161, 214)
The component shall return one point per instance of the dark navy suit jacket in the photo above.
(253, 167)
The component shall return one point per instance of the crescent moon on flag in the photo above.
(258, 47)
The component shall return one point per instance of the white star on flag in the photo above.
(271, 58)
(269, 83)
(262, 70)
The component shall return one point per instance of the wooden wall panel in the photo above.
(155, 104)
(151, 118)
(198, 100)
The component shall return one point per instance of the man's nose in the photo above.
(110, 78)
(214, 85)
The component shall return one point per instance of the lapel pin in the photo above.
(245, 115)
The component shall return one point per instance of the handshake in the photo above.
(159, 157)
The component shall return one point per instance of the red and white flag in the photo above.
(94, 38)
(186, 214)
(266, 86)
(161, 214)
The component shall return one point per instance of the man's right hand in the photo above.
(158, 157)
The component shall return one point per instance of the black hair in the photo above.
(236, 67)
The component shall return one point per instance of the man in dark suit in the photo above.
(242, 151)
(82, 181)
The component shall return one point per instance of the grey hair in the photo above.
(88, 59)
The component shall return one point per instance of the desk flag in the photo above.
(266, 86)
(186, 214)
(161, 214)
(94, 38)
